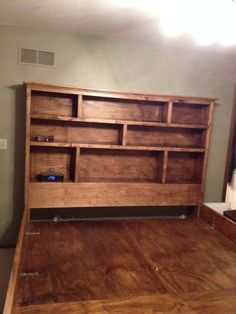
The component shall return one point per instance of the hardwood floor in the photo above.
(132, 266)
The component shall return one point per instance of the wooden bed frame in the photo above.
(114, 149)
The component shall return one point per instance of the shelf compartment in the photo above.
(166, 137)
(68, 132)
(116, 147)
(119, 121)
(184, 167)
(61, 159)
(124, 109)
(90, 194)
(190, 113)
(124, 166)
(46, 103)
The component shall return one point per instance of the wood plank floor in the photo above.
(132, 266)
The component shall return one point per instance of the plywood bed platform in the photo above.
(127, 266)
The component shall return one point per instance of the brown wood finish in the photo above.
(79, 106)
(97, 107)
(71, 132)
(231, 214)
(17, 261)
(186, 113)
(36, 86)
(168, 137)
(105, 137)
(61, 104)
(139, 266)
(105, 166)
(117, 147)
(219, 222)
(209, 302)
(88, 194)
(45, 117)
(58, 159)
(184, 167)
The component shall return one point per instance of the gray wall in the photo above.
(108, 64)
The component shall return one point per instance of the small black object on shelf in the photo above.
(44, 138)
(50, 176)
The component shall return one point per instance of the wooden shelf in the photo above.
(146, 146)
(117, 147)
(111, 121)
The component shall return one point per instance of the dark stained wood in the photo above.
(186, 113)
(184, 167)
(97, 107)
(116, 147)
(71, 132)
(219, 222)
(152, 136)
(79, 106)
(137, 266)
(45, 158)
(105, 194)
(231, 214)
(61, 104)
(36, 86)
(124, 166)
(210, 302)
(14, 277)
(55, 117)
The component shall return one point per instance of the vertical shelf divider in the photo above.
(123, 134)
(169, 111)
(76, 168)
(79, 106)
(164, 166)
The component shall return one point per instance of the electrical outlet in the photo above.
(3, 143)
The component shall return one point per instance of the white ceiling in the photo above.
(131, 19)
(98, 17)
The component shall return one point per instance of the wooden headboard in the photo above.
(114, 148)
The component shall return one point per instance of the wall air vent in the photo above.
(36, 57)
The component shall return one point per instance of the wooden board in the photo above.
(186, 113)
(124, 166)
(94, 107)
(44, 195)
(60, 104)
(117, 137)
(138, 266)
(45, 158)
(151, 136)
(70, 132)
(184, 167)
(219, 222)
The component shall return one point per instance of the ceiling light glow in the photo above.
(207, 21)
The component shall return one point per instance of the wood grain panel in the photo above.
(94, 107)
(54, 104)
(184, 167)
(186, 113)
(222, 224)
(44, 158)
(36, 86)
(44, 195)
(124, 166)
(135, 266)
(175, 137)
(70, 132)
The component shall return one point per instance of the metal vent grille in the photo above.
(28, 56)
(37, 57)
